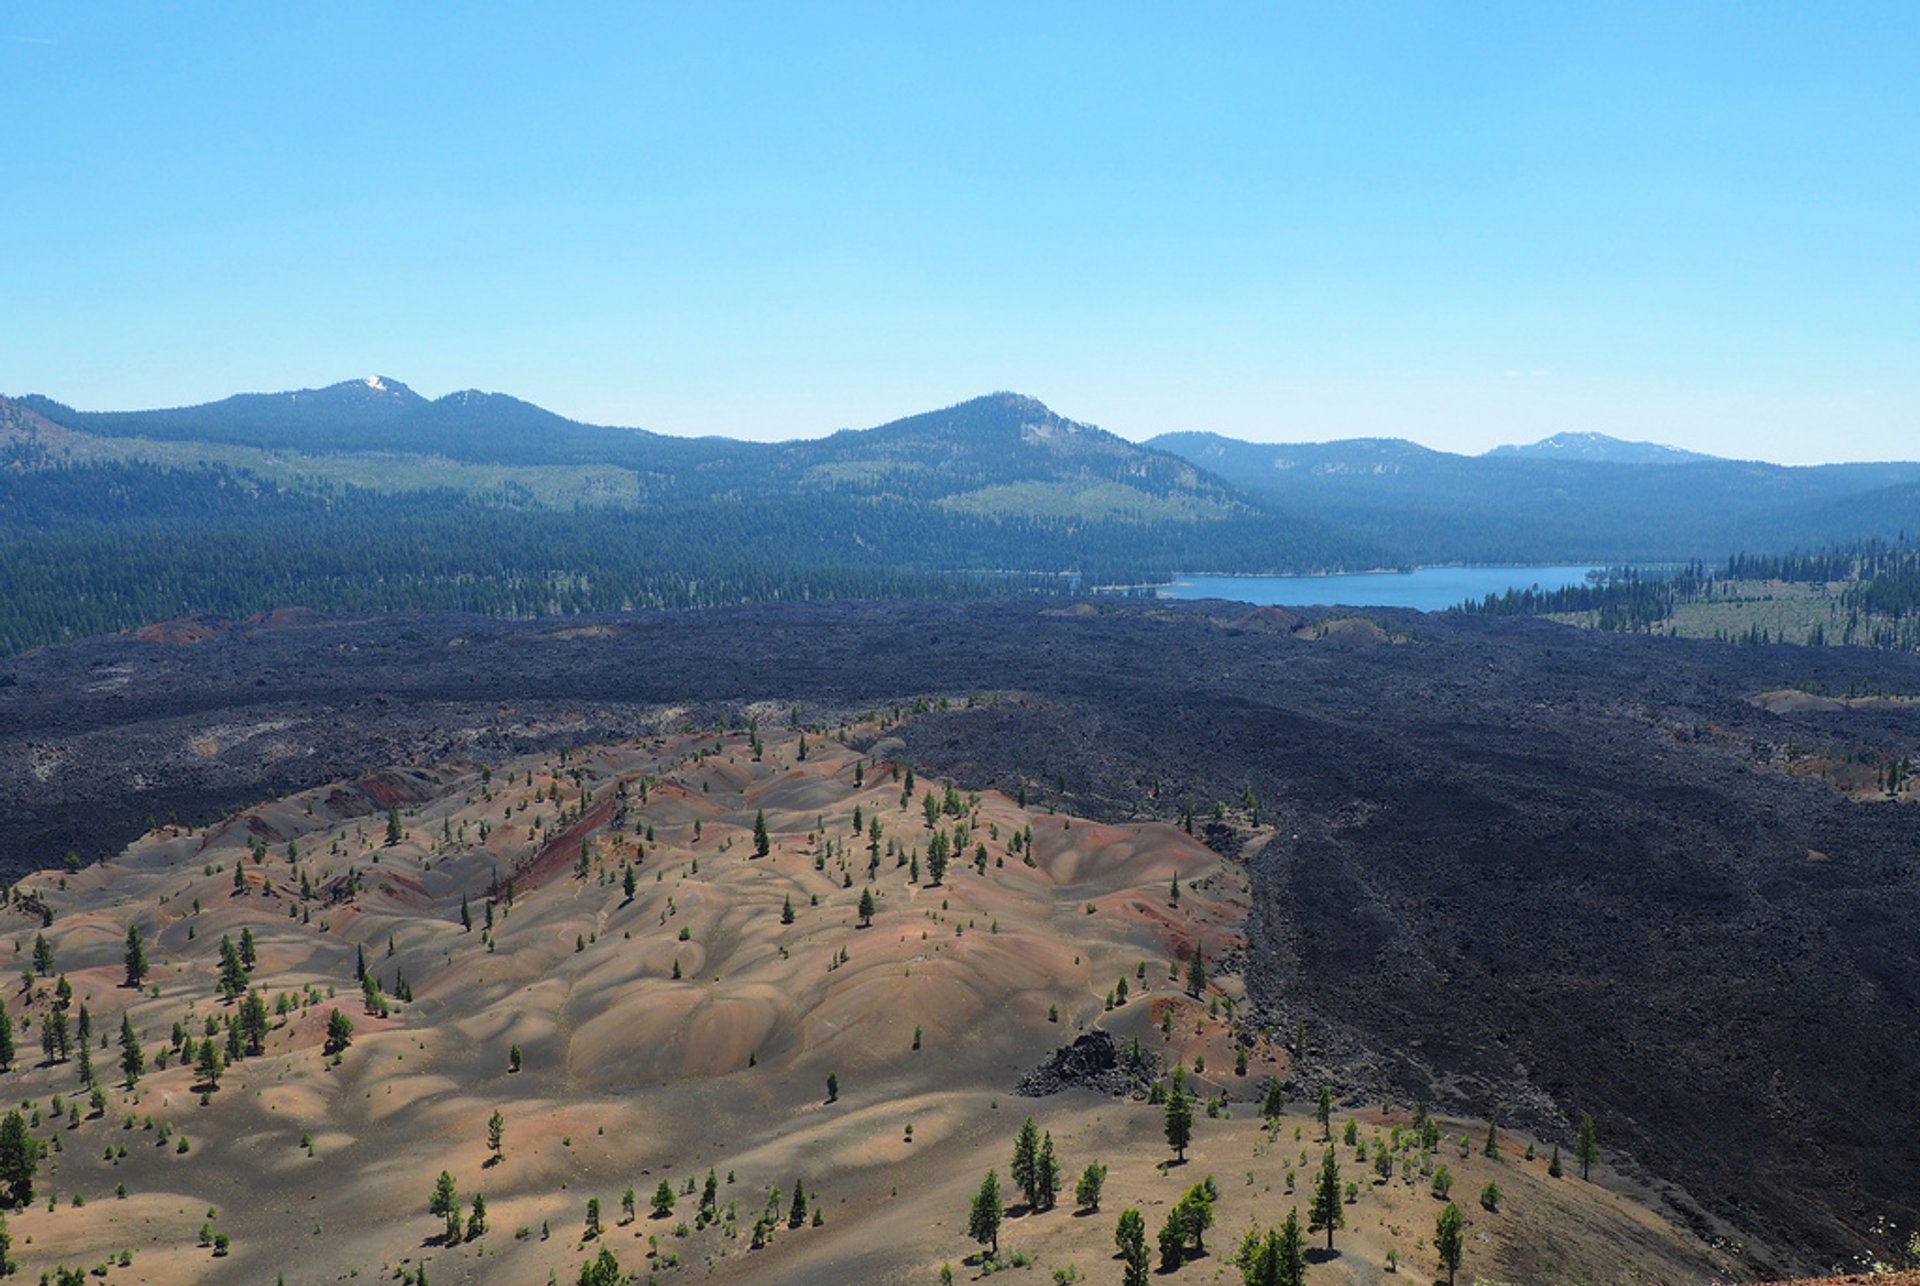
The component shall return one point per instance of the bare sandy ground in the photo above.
(318, 1170)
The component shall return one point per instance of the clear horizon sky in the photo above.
(1461, 223)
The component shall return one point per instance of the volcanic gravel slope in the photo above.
(1516, 869)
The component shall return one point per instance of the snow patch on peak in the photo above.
(375, 383)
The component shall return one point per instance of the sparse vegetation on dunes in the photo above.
(665, 1005)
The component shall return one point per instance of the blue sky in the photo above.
(1460, 223)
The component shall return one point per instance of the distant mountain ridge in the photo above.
(1564, 504)
(1041, 481)
(1600, 448)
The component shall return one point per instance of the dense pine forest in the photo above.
(97, 548)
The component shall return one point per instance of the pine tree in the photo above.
(603, 1270)
(136, 957)
(866, 907)
(663, 1200)
(1195, 1213)
(233, 974)
(1173, 1242)
(1179, 1122)
(786, 910)
(249, 956)
(1292, 1252)
(1553, 1163)
(7, 1051)
(394, 832)
(1047, 1175)
(629, 885)
(445, 1202)
(254, 1021)
(1087, 1191)
(208, 1065)
(1324, 1112)
(1325, 1212)
(797, 1214)
(496, 1127)
(1026, 1161)
(466, 915)
(1275, 1101)
(983, 1217)
(132, 1060)
(19, 1158)
(1586, 1146)
(339, 1032)
(1131, 1237)
(762, 844)
(1447, 1240)
(42, 955)
(1493, 1140)
(1196, 972)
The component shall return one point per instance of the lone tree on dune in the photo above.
(1179, 1123)
(762, 845)
(866, 907)
(1326, 1212)
(983, 1218)
(207, 1067)
(136, 957)
(339, 1032)
(496, 1128)
(1087, 1191)
(132, 1060)
(1047, 1175)
(1447, 1240)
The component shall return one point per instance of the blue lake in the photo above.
(1429, 589)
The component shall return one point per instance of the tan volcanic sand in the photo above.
(631, 1075)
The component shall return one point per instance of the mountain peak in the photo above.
(1601, 449)
(367, 389)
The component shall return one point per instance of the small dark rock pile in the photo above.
(1092, 1062)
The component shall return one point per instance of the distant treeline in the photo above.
(100, 548)
(93, 548)
(1876, 583)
